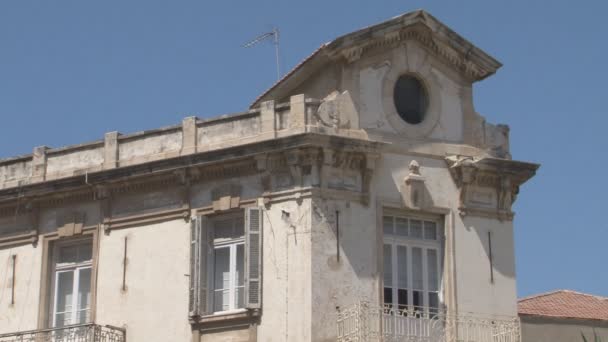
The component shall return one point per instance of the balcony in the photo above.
(366, 323)
(74, 333)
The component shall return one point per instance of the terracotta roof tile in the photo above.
(565, 304)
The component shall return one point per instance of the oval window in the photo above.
(411, 100)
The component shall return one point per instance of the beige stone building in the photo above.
(361, 198)
(563, 316)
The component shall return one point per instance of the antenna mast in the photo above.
(274, 34)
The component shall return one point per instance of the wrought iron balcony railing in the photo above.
(366, 323)
(73, 333)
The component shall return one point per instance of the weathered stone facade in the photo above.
(323, 168)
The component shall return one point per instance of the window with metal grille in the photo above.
(411, 257)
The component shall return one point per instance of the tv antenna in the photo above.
(274, 34)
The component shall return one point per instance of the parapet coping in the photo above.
(151, 132)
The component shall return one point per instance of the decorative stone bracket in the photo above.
(488, 186)
(71, 224)
(226, 197)
(327, 168)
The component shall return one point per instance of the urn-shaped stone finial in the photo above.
(413, 189)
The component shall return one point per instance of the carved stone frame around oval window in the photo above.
(412, 60)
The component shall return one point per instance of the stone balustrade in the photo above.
(194, 135)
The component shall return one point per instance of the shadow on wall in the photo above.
(344, 261)
(497, 243)
(353, 244)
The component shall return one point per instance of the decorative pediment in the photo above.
(419, 26)
(488, 186)
(423, 35)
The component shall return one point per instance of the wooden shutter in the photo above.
(194, 267)
(253, 258)
(199, 249)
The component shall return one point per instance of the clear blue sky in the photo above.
(72, 70)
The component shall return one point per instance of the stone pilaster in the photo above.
(189, 141)
(39, 164)
(268, 119)
(110, 153)
(298, 111)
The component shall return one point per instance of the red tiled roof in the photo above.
(565, 304)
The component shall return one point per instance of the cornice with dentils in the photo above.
(419, 26)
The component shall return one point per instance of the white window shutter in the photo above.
(253, 258)
(199, 249)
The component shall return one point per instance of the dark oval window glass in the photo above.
(410, 99)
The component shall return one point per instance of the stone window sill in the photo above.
(236, 315)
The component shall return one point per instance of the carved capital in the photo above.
(488, 186)
(349, 170)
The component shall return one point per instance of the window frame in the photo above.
(232, 244)
(49, 244)
(394, 241)
(76, 268)
(200, 309)
(401, 96)
(434, 90)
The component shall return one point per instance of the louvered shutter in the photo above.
(253, 258)
(194, 267)
(199, 249)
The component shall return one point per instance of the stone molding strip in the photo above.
(31, 237)
(192, 136)
(158, 167)
(156, 216)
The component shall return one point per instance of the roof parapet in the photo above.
(193, 135)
